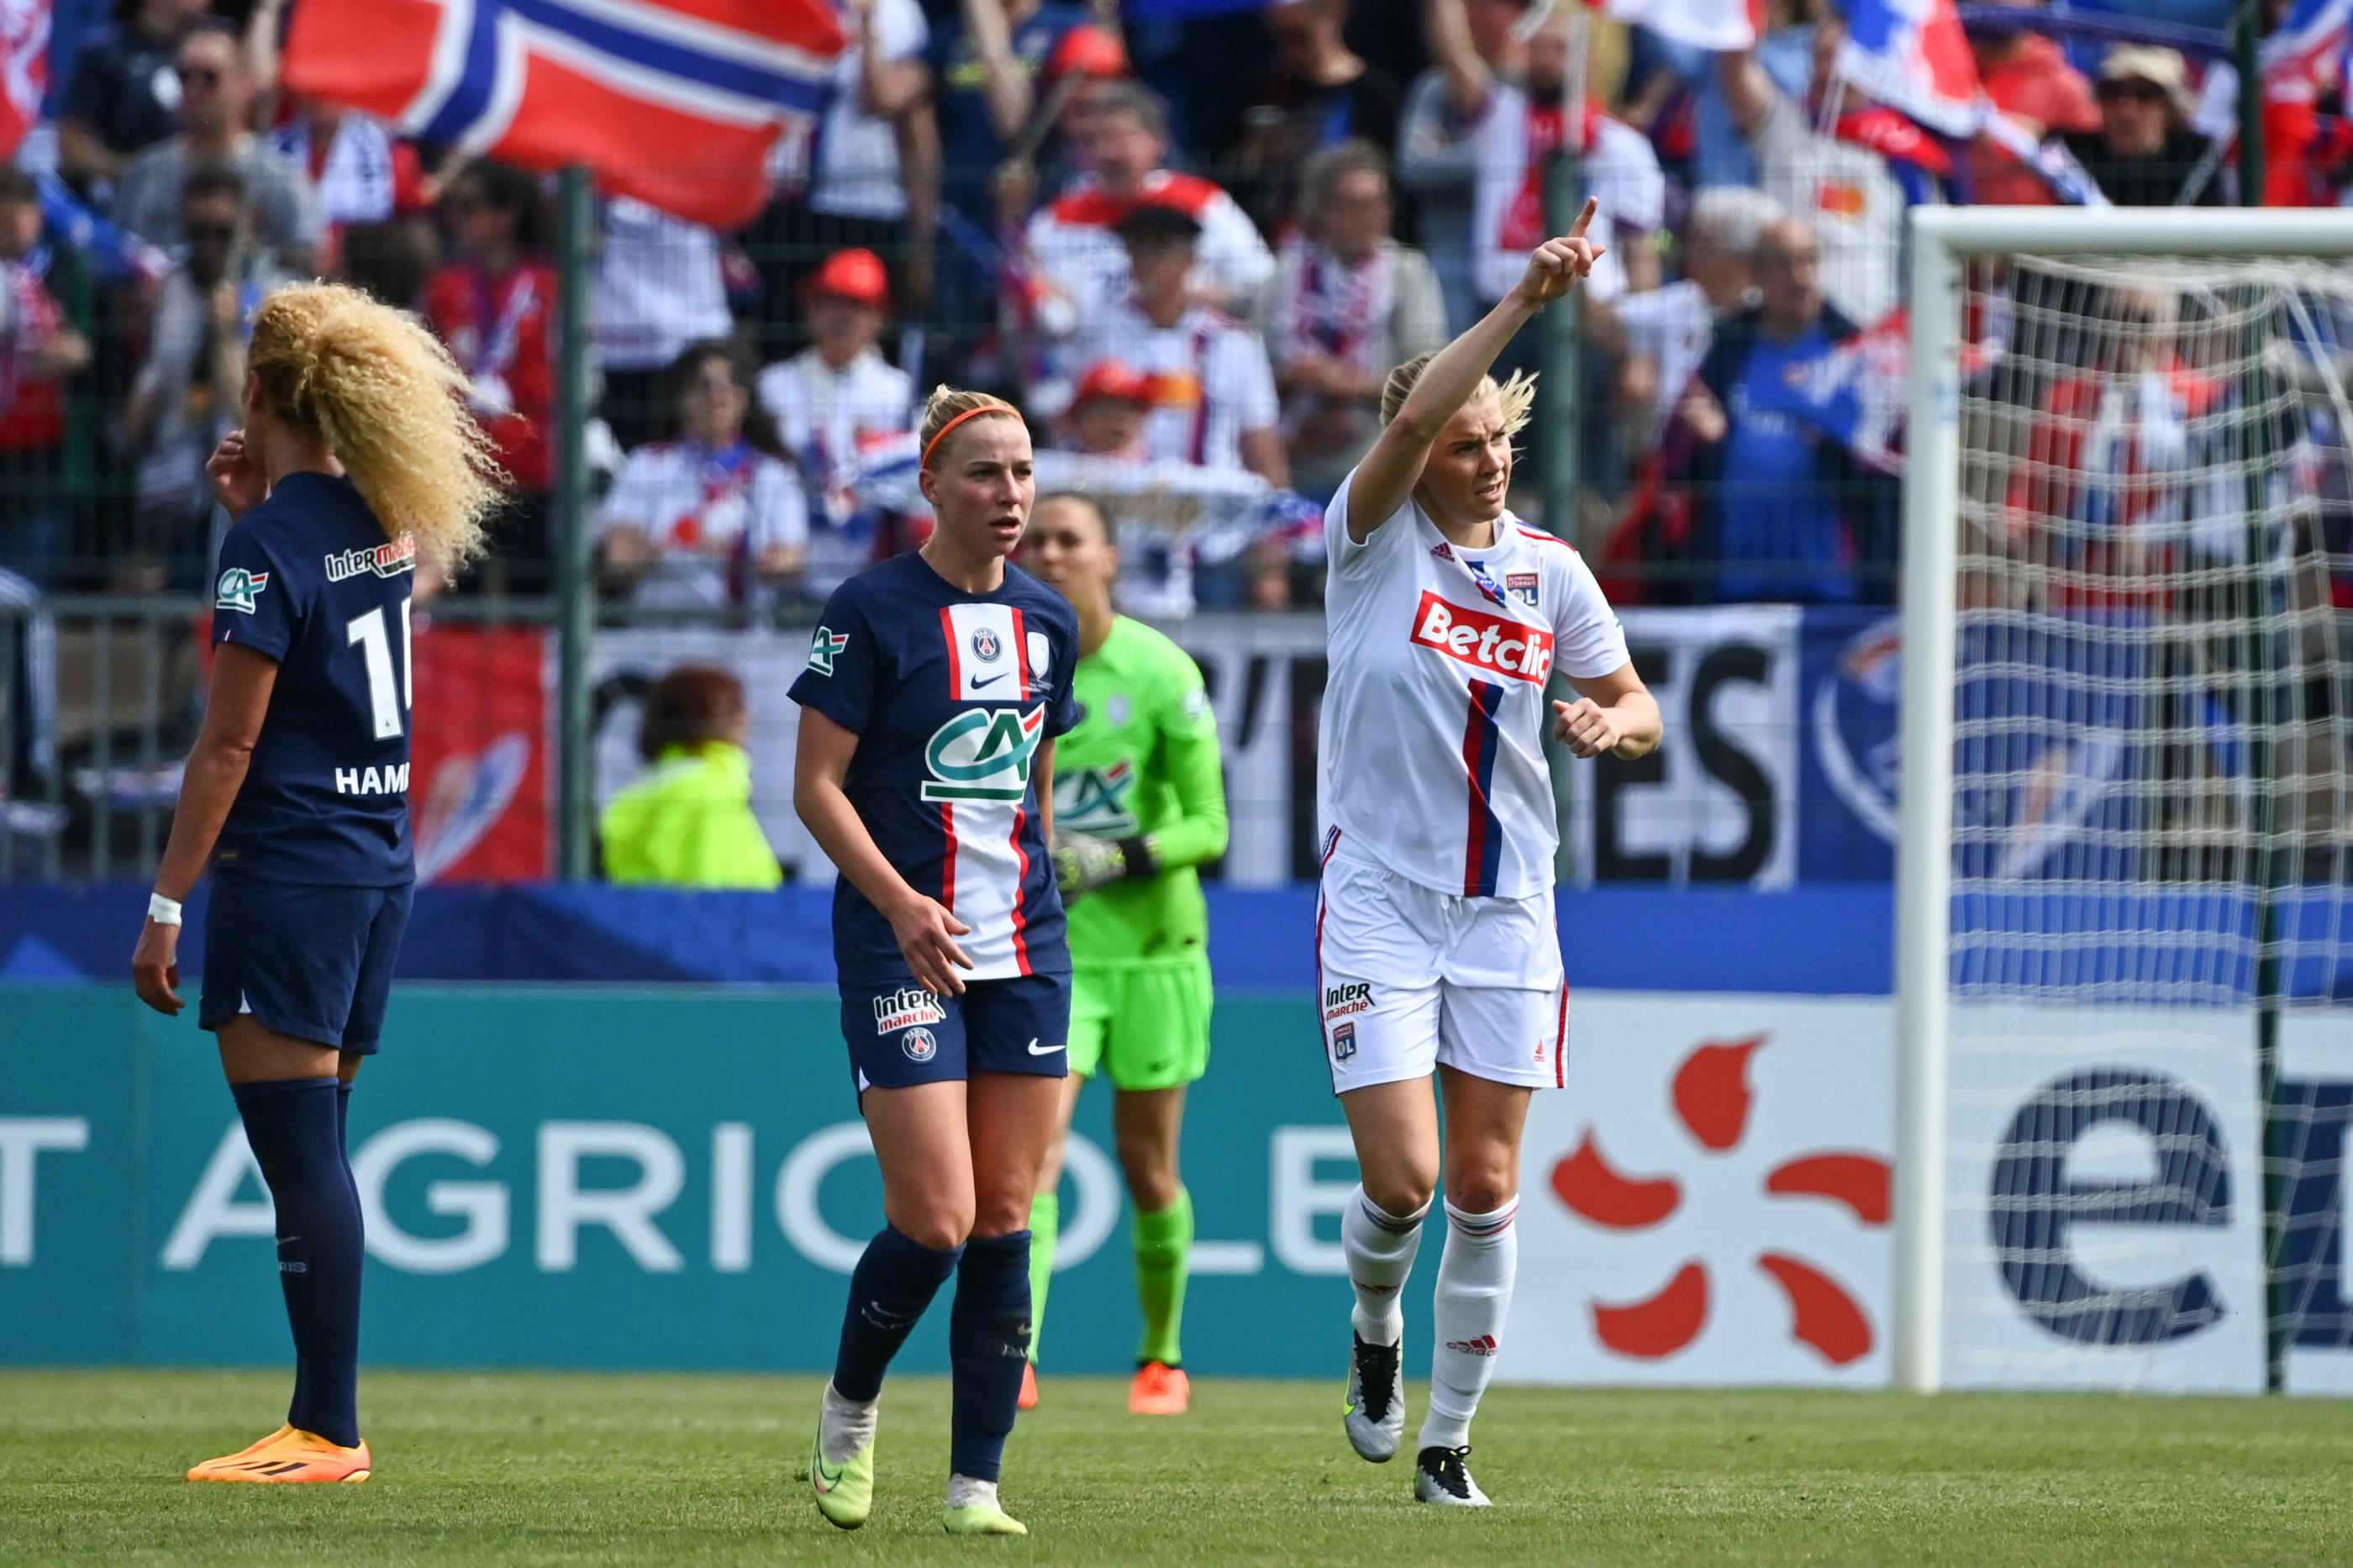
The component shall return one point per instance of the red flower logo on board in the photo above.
(1712, 1102)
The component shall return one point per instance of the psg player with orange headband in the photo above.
(934, 689)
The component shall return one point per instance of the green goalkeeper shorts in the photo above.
(1147, 1025)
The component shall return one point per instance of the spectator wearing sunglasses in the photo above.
(188, 392)
(2145, 154)
(217, 95)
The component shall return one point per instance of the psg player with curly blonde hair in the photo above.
(357, 457)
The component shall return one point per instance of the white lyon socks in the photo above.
(1474, 1293)
(1379, 1247)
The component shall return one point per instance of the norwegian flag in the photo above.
(24, 69)
(1912, 55)
(2308, 39)
(1701, 23)
(676, 102)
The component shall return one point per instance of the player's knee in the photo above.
(941, 1227)
(1150, 1169)
(1481, 1191)
(1000, 1216)
(1401, 1192)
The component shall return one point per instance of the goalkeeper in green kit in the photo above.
(1138, 803)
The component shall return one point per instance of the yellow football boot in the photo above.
(289, 1455)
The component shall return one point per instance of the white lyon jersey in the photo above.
(1433, 761)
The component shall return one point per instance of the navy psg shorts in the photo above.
(311, 962)
(901, 1035)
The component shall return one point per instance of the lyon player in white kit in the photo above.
(1434, 937)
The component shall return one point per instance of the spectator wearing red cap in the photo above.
(836, 402)
(1072, 240)
(1162, 504)
(1213, 401)
(1108, 411)
(869, 179)
(712, 518)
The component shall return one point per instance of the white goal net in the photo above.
(2145, 467)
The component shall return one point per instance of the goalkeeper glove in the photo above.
(1082, 864)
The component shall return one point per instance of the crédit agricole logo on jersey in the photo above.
(1097, 800)
(983, 753)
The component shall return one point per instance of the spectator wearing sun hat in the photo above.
(836, 400)
(2144, 154)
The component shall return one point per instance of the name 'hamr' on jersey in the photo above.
(1434, 716)
(308, 580)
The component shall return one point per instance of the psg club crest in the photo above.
(919, 1045)
(986, 646)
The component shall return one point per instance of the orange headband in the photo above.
(968, 414)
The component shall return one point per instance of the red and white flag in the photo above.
(24, 69)
(1912, 56)
(676, 102)
(1701, 23)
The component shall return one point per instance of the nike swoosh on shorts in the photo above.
(1038, 1050)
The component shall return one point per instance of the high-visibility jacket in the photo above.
(687, 823)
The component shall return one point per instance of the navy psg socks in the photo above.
(988, 1344)
(295, 1128)
(895, 1280)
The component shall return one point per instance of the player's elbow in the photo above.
(231, 754)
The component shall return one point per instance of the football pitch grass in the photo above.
(544, 1469)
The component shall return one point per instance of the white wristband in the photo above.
(164, 911)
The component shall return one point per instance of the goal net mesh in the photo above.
(2149, 819)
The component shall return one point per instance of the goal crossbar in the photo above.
(1941, 239)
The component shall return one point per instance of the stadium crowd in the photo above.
(1193, 277)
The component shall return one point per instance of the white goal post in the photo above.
(1950, 247)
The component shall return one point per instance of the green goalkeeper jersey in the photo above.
(1142, 764)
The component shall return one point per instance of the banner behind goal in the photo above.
(2128, 493)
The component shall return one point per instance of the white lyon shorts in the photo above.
(1410, 977)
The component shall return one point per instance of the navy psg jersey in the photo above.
(308, 579)
(950, 695)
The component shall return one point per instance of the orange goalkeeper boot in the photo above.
(289, 1455)
(1159, 1390)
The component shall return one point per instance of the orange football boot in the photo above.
(1029, 1400)
(288, 1455)
(1159, 1390)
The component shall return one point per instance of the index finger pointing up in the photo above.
(1576, 229)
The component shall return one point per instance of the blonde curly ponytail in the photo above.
(391, 404)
